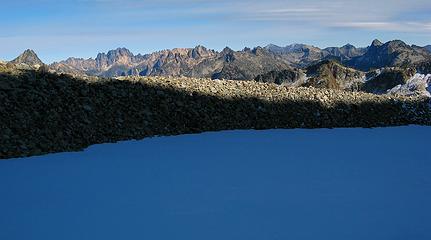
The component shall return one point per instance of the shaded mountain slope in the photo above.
(289, 77)
(391, 54)
(386, 79)
(325, 74)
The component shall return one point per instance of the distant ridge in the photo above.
(378, 68)
(191, 62)
(246, 64)
(303, 55)
(394, 53)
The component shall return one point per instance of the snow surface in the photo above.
(337, 184)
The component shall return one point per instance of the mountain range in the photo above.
(377, 68)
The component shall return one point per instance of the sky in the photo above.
(254, 185)
(57, 29)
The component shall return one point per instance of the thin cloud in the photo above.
(293, 10)
(387, 26)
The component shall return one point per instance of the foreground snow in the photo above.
(278, 184)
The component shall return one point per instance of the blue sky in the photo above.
(57, 29)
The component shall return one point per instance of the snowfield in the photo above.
(337, 184)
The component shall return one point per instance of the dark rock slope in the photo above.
(325, 74)
(386, 79)
(44, 112)
(288, 77)
(333, 75)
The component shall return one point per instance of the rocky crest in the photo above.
(298, 55)
(391, 54)
(191, 62)
(344, 53)
(45, 112)
(301, 55)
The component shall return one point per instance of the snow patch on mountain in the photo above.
(419, 84)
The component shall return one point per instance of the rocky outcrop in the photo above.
(331, 74)
(382, 80)
(325, 74)
(423, 67)
(288, 77)
(428, 47)
(44, 112)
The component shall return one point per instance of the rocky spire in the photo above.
(28, 57)
(376, 43)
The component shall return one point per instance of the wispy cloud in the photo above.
(348, 14)
(387, 26)
(293, 10)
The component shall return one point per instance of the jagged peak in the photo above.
(257, 50)
(272, 46)
(28, 57)
(117, 51)
(227, 50)
(29, 52)
(348, 46)
(396, 43)
(376, 43)
(120, 51)
(301, 46)
(200, 47)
